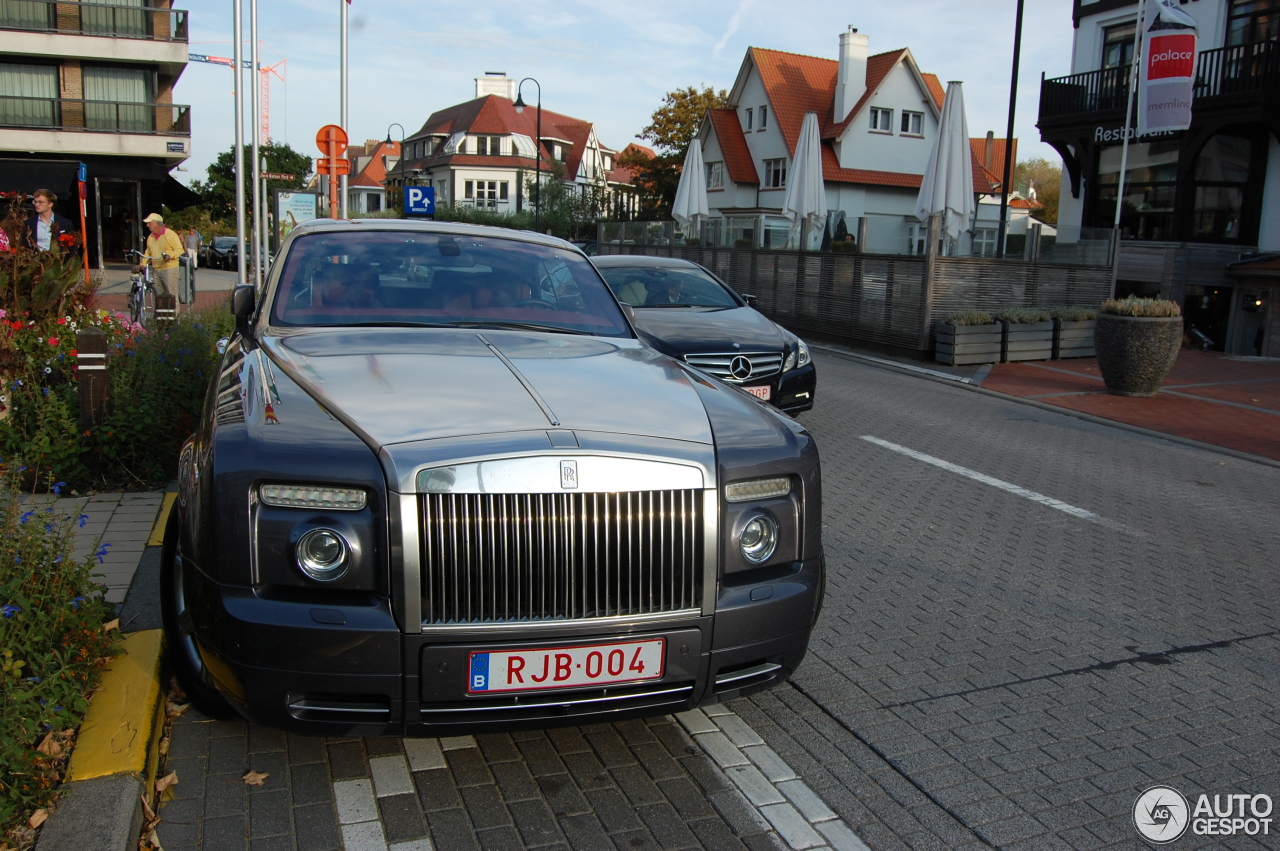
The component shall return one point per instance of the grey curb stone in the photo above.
(103, 813)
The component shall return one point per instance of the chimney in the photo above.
(991, 151)
(496, 83)
(851, 75)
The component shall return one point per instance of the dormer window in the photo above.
(490, 146)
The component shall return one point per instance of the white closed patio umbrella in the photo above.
(690, 206)
(806, 200)
(947, 187)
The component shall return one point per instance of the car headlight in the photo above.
(802, 354)
(323, 554)
(757, 489)
(797, 356)
(759, 539)
(314, 496)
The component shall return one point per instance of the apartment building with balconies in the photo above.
(92, 83)
(1195, 202)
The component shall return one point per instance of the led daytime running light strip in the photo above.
(757, 489)
(312, 496)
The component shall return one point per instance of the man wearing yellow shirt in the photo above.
(164, 247)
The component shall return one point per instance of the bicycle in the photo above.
(142, 293)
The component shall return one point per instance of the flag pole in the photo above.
(1134, 80)
(342, 120)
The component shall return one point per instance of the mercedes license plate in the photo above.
(759, 392)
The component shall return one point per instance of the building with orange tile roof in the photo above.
(482, 153)
(370, 162)
(878, 116)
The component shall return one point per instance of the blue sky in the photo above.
(605, 61)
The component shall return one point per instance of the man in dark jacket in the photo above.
(45, 226)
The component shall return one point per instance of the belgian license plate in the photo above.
(564, 667)
(759, 392)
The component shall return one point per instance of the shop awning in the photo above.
(26, 176)
(176, 196)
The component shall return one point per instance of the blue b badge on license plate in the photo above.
(479, 672)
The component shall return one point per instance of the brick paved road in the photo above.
(990, 670)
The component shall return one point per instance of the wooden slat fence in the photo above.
(881, 298)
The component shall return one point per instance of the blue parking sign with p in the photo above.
(419, 200)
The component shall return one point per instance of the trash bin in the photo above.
(186, 280)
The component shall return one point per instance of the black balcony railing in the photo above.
(1240, 69)
(60, 16)
(158, 119)
(1092, 91)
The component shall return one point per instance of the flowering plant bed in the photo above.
(52, 648)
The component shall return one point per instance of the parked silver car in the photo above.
(440, 485)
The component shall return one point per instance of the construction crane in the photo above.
(264, 84)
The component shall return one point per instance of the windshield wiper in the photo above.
(522, 326)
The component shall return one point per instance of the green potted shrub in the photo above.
(1028, 333)
(1073, 331)
(969, 336)
(1137, 341)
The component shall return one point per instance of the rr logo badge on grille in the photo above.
(568, 475)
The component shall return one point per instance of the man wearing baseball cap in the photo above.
(164, 247)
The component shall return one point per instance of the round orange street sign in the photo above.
(334, 133)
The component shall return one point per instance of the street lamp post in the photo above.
(537, 145)
(400, 159)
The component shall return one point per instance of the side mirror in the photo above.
(751, 300)
(243, 301)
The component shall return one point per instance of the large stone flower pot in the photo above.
(1135, 353)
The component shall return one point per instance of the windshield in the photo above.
(417, 278)
(224, 241)
(660, 286)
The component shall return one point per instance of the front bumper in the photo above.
(346, 669)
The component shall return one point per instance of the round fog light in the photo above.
(758, 540)
(322, 554)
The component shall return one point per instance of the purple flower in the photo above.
(57, 489)
(75, 604)
(83, 518)
(9, 610)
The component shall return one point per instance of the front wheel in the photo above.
(179, 628)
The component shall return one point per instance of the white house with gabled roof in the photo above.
(878, 116)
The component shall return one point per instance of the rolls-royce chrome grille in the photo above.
(531, 558)
(737, 367)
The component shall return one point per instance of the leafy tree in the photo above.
(672, 127)
(1046, 178)
(219, 191)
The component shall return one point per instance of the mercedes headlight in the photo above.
(797, 356)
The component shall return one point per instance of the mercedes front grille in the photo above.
(738, 367)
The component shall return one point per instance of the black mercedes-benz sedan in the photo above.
(440, 486)
(684, 310)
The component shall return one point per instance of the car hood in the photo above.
(689, 329)
(394, 385)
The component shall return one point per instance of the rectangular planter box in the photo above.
(1028, 341)
(967, 344)
(1073, 339)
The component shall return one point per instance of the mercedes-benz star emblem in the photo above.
(740, 368)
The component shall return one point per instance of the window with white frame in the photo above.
(881, 120)
(912, 123)
(764, 117)
(485, 193)
(715, 175)
(750, 116)
(984, 242)
(775, 174)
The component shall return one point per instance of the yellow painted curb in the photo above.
(120, 728)
(157, 531)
